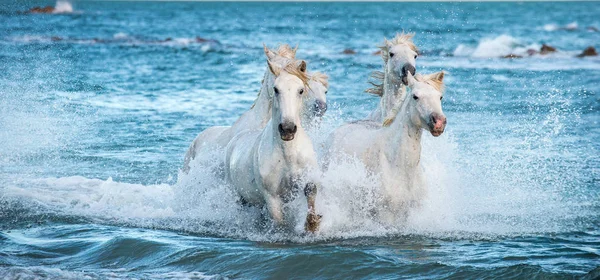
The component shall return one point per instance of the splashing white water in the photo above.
(62, 7)
(553, 27)
(469, 194)
(495, 47)
(505, 45)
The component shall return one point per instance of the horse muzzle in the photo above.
(405, 69)
(287, 131)
(319, 108)
(437, 124)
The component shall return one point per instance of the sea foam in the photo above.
(62, 7)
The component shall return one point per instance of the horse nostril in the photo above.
(287, 128)
(408, 68)
(320, 106)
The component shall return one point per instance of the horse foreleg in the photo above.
(275, 208)
(312, 219)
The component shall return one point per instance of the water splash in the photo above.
(512, 190)
(62, 7)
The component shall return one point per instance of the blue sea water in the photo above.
(98, 106)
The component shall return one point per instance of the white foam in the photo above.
(504, 45)
(120, 35)
(41, 272)
(554, 27)
(496, 47)
(63, 6)
(572, 26)
(463, 50)
(99, 198)
(551, 27)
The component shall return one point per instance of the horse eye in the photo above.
(325, 92)
(441, 97)
(301, 91)
(415, 97)
(391, 54)
(275, 90)
(416, 56)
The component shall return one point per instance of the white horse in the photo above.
(393, 151)
(315, 103)
(217, 137)
(266, 166)
(399, 58)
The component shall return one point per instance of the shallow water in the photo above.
(98, 109)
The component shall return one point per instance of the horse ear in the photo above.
(410, 79)
(302, 66)
(269, 53)
(294, 51)
(440, 76)
(274, 69)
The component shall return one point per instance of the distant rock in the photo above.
(56, 38)
(349, 51)
(40, 10)
(531, 52)
(512, 56)
(592, 29)
(547, 49)
(589, 51)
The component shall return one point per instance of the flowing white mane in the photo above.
(377, 88)
(286, 51)
(291, 67)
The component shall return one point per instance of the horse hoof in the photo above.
(313, 221)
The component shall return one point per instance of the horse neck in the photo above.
(392, 91)
(403, 145)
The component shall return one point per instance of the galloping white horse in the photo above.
(217, 137)
(393, 151)
(266, 166)
(399, 58)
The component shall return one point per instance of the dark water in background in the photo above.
(98, 93)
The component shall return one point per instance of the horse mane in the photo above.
(320, 78)
(401, 38)
(286, 51)
(291, 67)
(377, 88)
(392, 114)
(430, 79)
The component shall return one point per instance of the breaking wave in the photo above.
(62, 7)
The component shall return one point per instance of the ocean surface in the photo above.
(99, 104)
